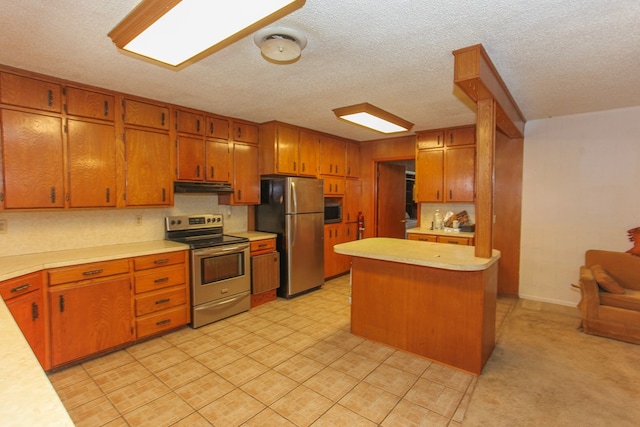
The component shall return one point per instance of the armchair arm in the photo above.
(590, 293)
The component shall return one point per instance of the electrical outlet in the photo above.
(3, 226)
(138, 219)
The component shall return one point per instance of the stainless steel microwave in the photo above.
(332, 210)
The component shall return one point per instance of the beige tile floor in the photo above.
(286, 363)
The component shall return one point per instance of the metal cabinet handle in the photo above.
(163, 322)
(106, 108)
(163, 301)
(198, 171)
(61, 303)
(21, 287)
(162, 118)
(198, 125)
(50, 97)
(92, 272)
(161, 280)
(35, 313)
(108, 195)
(161, 261)
(53, 194)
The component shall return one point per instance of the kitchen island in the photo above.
(432, 299)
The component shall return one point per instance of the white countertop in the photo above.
(14, 266)
(445, 232)
(27, 398)
(254, 235)
(435, 255)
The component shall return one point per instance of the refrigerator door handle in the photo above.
(294, 196)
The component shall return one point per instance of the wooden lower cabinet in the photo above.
(337, 264)
(454, 240)
(89, 317)
(265, 271)
(161, 292)
(25, 300)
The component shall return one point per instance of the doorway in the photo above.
(394, 198)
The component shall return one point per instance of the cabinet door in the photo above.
(353, 160)
(91, 152)
(144, 114)
(28, 312)
(333, 186)
(190, 158)
(460, 174)
(429, 176)
(332, 156)
(149, 171)
(189, 122)
(217, 127)
(461, 136)
(246, 180)
(32, 157)
(351, 205)
(331, 235)
(308, 153)
(30, 93)
(89, 318)
(287, 150)
(86, 103)
(245, 132)
(218, 165)
(429, 139)
(265, 272)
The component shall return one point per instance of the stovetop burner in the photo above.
(199, 231)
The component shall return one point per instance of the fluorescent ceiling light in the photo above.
(372, 117)
(174, 31)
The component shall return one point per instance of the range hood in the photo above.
(201, 187)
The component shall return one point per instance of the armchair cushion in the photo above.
(605, 281)
(629, 301)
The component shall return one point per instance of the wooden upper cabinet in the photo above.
(149, 168)
(353, 160)
(279, 152)
(217, 127)
(190, 122)
(332, 156)
(30, 93)
(91, 154)
(245, 132)
(460, 174)
(32, 160)
(191, 158)
(351, 202)
(460, 136)
(246, 179)
(287, 150)
(308, 153)
(429, 139)
(145, 114)
(429, 176)
(218, 161)
(90, 104)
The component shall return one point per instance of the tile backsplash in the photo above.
(43, 231)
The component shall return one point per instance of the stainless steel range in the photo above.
(220, 267)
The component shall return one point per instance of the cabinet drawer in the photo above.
(20, 285)
(266, 245)
(168, 319)
(88, 271)
(159, 279)
(160, 300)
(158, 260)
(453, 240)
(422, 237)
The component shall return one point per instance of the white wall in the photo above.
(41, 231)
(581, 190)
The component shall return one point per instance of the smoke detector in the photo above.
(280, 45)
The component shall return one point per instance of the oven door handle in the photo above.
(220, 250)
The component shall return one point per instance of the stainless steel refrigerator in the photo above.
(293, 208)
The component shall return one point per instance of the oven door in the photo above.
(220, 272)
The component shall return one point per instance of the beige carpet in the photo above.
(544, 371)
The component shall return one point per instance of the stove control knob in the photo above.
(179, 222)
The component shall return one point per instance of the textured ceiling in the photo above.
(557, 57)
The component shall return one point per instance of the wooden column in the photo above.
(476, 75)
(485, 161)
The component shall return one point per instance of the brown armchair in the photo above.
(610, 289)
